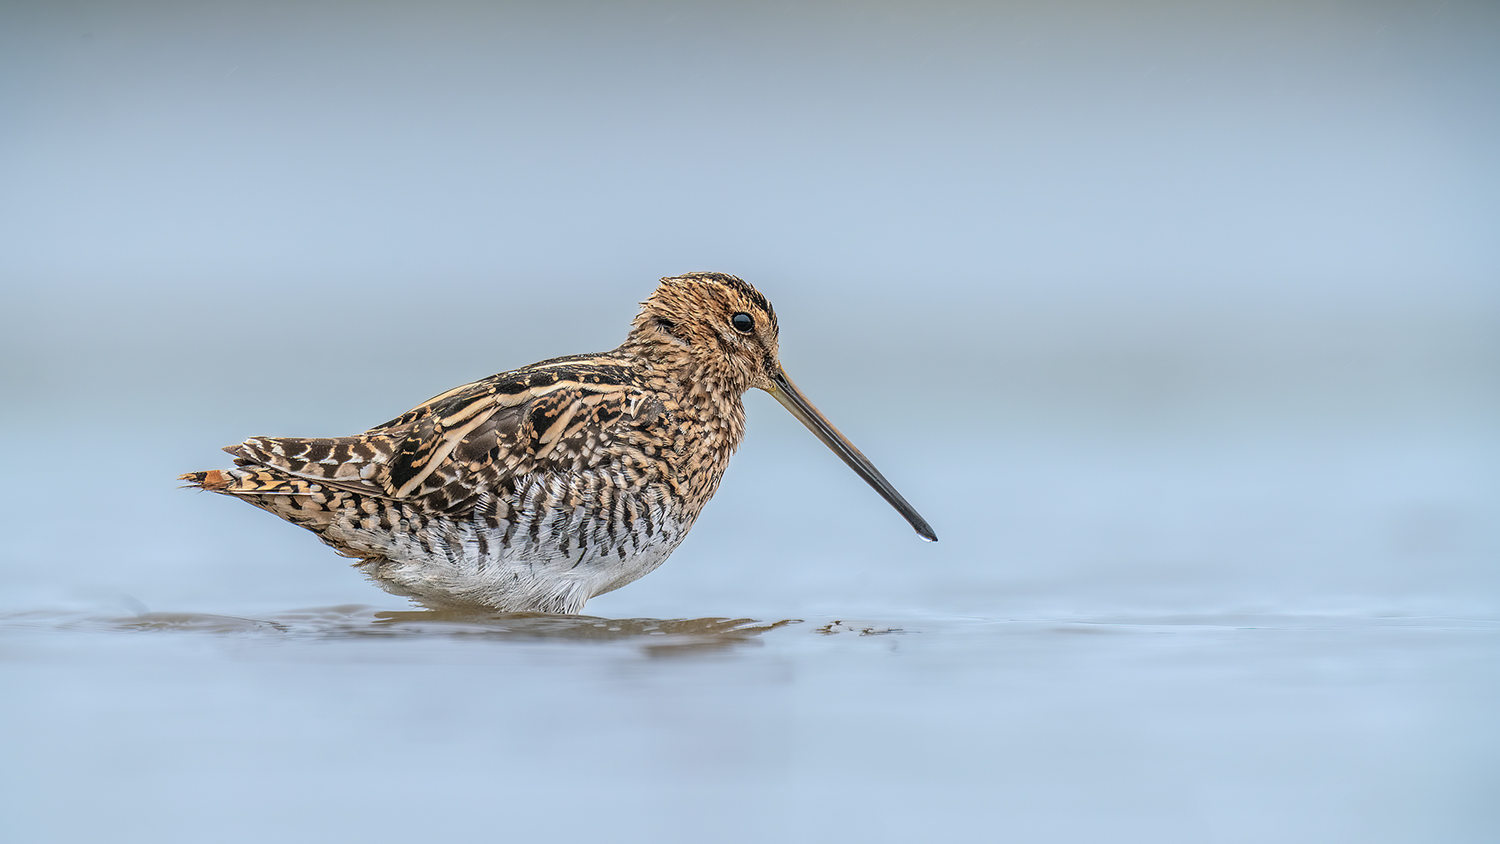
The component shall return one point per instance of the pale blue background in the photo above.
(1153, 309)
(1100, 286)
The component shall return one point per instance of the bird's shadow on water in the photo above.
(357, 621)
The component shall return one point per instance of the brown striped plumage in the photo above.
(536, 489)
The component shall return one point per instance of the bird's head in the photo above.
(729, 331)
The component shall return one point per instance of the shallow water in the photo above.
(354, 723)
(1250, 632)
(1283, 637)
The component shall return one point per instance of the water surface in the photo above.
(355, 723)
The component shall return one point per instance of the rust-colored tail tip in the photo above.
(213, 479)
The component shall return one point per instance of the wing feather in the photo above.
(482, 436)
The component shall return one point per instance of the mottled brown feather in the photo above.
(553, 419)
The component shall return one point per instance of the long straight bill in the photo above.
(792, 399)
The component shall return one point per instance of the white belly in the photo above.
(538, 560)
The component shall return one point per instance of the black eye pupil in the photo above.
(743, 323)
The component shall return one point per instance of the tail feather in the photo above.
(358, 464)
(247, 482)
(214, 480)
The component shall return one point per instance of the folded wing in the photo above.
(576, 415)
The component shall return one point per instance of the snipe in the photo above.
(539, 488)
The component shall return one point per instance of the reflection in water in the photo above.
(658, 636)
(1333, 726)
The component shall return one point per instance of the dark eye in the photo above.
(743, 323)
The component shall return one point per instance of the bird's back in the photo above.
(533, 489)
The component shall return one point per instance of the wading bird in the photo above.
(539, 488)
